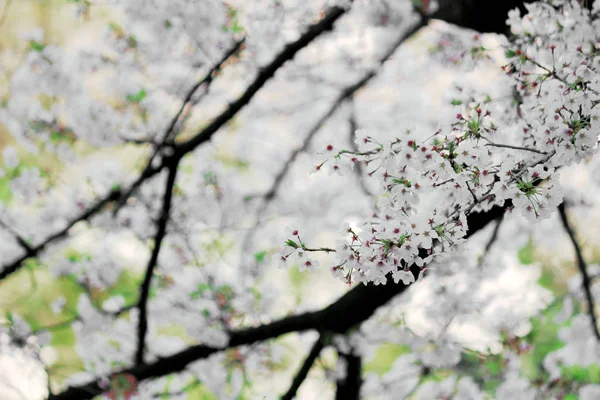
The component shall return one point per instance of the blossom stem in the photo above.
(508, 146)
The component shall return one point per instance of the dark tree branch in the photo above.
(354, 307)
(303, 371)
(586, 281)
(265, 74)
(149, 171)
(479, 15)
(35, 250)
(349, 387)
(145, 287)
(208, 78)
(171, 130)
(492, 239)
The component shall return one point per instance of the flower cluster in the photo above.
(431, 181)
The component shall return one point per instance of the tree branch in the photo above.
(265, 74)
(35, 250)
(492, 239)
(208, 78)
(354, 307)
(149, 171)
(303, 371)
(145, 287)
(349, 387)
(586, 281)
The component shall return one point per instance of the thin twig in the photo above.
(586, 281)
(208, 78)
(508, 146)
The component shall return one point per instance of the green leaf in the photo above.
(456, 102)
(63, 337)
(510, 53)
(203, 287)
(494, 366)
(580, 374)
(291, 243)
(527, 253)
(137, 98)
(260, 256)
(385, 356)
(36, 46)
(9, 318)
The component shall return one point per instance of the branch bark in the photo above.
(349, 387)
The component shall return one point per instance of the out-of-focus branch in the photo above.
(172, 128)
(208, 78)
(358, 168)
(354, 307)
(265, 74)
(145, 287)
(492, 239)
(303, 371)
(35, 250)
(151, 169)
(586, 281)
(348, 388)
